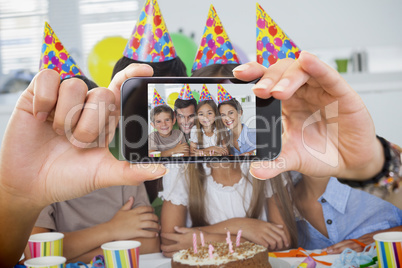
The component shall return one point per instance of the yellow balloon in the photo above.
(172, 98)
(103, 57)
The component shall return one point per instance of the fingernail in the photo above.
(263, 84)
(281, 85)
(330, 250)
(280, 226)
(255, 175)
(59, 132)
(42, 116)
(166, 172)
(241, 68)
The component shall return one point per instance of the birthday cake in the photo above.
(247, 254)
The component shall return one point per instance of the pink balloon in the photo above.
(224, 61)
(158, 32)
(275, 53)
(140, 30)
(220, 40)
(199, 65)
(162, 58)
(210, 22)
(260, 45)
(270, 47)
(63, 75)
(45, 59)
(261, 23)
(59, 65)
(48, 39)
(135, 56)
(203, 41)
(214, 48)
(211, 43)
(278, 42)
(63, 56)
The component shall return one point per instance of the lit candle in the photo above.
(238, 238)
(195, 242)
(202, 238)
(210, 251)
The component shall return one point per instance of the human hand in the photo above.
(217, 150)
(182, 239)
(56, 144)
(130, 223)
(364, 240)
(181, 148)
(345, 133)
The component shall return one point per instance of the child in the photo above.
(208, 136)
(165, 139)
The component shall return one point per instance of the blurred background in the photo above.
(364, 35)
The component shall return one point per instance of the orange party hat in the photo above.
(157, 101)
(186, 93)
(55, 56)
(215, 47)
(223, 95)
(205, 95)
(150, 40)
(272, 43)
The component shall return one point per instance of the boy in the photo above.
(165, 139)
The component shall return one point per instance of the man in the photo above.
(184, 108)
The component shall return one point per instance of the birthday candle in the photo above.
(230, 246)
(202, 238)
(210, 251)
(195, 243)
(238, 238)
(228, 237)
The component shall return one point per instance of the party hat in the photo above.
(223, 95)
(55, 56)
(272, 43)
(185, 93)
(205, 95)
(215, 47)
(158, 101)
(150, 40)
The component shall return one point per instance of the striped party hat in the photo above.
(272, 43)
(150, 40)
(55, 56)
(158, 101)
(186, 93)
(223, 95)
(215, 47)
(205, 95)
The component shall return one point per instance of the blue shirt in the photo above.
(348, 213)
(247, 141)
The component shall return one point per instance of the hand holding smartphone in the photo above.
(187, 120)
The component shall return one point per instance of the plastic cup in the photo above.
(155, 154)
(342, 65)
(121, 254)
(46, 262)
(46, 244)
(178, 155)
(389, 249)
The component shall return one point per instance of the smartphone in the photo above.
(189, 120)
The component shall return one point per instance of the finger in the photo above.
(282, 235)
(94, 118)
(278, 241)
(171, 236)
(271, 243)
(149, 217)
(146, 233)
(70, 102)
(143, 209)
(181, 230)
(149, 225)
(263, 170)
(128, 204)
(45, 89)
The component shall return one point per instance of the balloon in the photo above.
(196, 95)
(158, 32)
(260, 45)
(211, 43)
(281, 55)
(220, 40)
(158, 47)
(272, 30)
(63, 56)
(44, 47)
(270, 47)
(265, 55)
(172, 98)
(102, 58)
(287, 44)
(272, 59)
(166, 50)
(261, 23)
(291, 55)
(265, 40)
(140, 29)
(186, 49)
(219, 51)
(278, 42)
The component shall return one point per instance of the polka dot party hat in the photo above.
(215, 47)
(223, 95)
(55, 56)
(150, 40)
(205, 95)
(158, 101)
(272, 43)
(186, 93)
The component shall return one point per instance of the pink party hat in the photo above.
(185, 93)
(272, 43)
(150, 40)
(55, 56)
(158, 101)
(205, 95)
(215, 47)
(223, 95)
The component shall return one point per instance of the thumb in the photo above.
(129, 204)
(181, 230)
(269, 169)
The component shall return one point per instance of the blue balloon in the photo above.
(75, 70)
(51, 55)
(203, 58)
(162, 41)
(44, 47)
(194, 66)
(147, 27)
(203, 64)
(224, 47)
(219, 51)
(209, 37)
(229, 45)
(287, 44)
(143, 41)
(284, 48)
(265, 40)
(281, 55)
(265, 55)
(142, 15)
(229, 55)
(258, 32)
(158, 47)
(65, 67)
(166, 50)
(166, 38)
(51, 66)
(156, 59)
(291, 55)
(149, 58)
(71, 60)
(168, 58)
(265, 63)
(130, 53)
(206, 49)
(218, 61)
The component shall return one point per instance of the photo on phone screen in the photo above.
(197, 120)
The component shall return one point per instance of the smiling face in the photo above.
(163, 122)
(230, 116)
(185, 118)
(206, 115)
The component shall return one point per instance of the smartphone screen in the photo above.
(191, 120)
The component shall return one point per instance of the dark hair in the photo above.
(174, 67)
(215, 70)
(234, 103)
(161, 109)
(180, 104)
(90, 84)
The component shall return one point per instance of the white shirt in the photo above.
(207, 141)
(221, 202)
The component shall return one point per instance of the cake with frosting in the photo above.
(247, 254)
